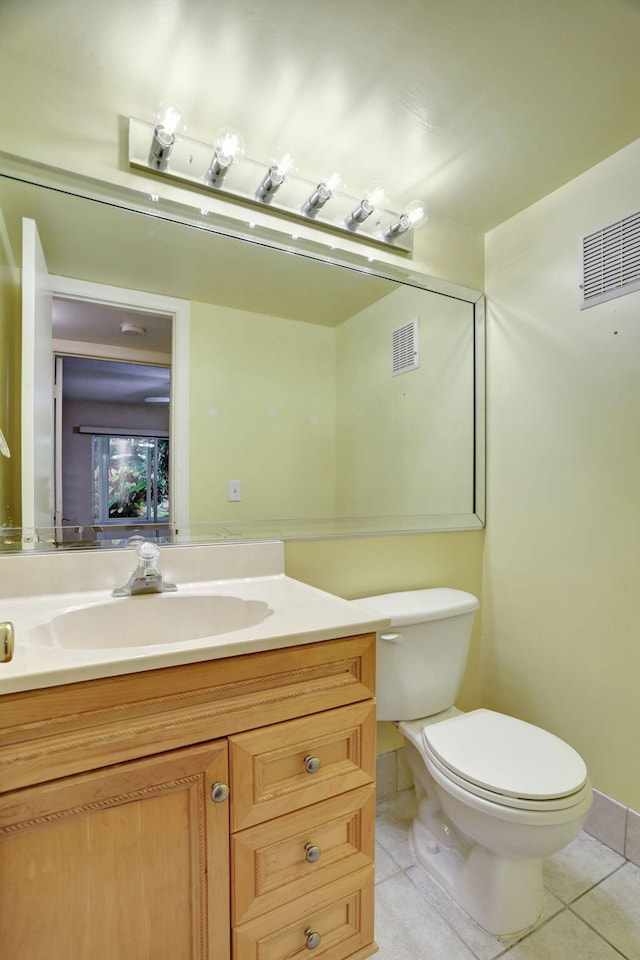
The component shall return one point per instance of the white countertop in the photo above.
(298, 614)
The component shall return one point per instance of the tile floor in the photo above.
(593, 903)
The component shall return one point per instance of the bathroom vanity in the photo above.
(219, 805)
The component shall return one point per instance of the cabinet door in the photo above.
(128, 861)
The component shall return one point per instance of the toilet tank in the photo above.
(421, 657)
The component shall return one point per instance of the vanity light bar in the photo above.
(222, 168)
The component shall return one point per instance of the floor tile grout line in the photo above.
(599, 933)
(399, 865)
(594, 886)
(452, 929)
(542, 923)
(566, 908)
(398, 860)
(566, 905)
(444, 919)
(439, 912)
(505, 949)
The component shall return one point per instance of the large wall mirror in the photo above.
(215, 386)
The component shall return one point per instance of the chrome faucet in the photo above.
(146, 578)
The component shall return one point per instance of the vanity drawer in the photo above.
(341, 916)
(276, 862)
(287, 766)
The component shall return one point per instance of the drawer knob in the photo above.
(312, 764)
(313, 939)
(312, 852)
(219, 792)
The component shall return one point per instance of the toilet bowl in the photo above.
(490, 808)
(495, 794)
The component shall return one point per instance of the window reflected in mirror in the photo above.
(130, 479)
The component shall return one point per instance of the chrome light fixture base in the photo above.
(250, 182)
(271, 182)
(161, 147)
(217, 171)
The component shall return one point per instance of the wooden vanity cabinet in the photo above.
(114, 863)
(112, 844)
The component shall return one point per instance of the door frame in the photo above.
(179, 413)
(36, 388)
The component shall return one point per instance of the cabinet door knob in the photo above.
(313, 939)
(312, 764)
(219, 792)
(312, 852)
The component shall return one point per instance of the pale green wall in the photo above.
(88, 141)
(560, 606)
(233, 436)
(363, 566)
(9, 383)
(405, 443)
(561, 616)
(262, 412)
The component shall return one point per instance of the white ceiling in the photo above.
(479, 108)
(96, 323)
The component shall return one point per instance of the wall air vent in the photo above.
(404, 344)
(610, 260)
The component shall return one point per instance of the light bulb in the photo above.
(414, 216)
(169, 121)
(283, 165)
(376, 195)
(417, 213)
(229, 145)
(333, 181)
(229, 148)
(170, 117)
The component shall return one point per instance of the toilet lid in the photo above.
(506, 756)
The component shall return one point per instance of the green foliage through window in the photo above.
(131, 479)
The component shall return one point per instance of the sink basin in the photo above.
(148, 620)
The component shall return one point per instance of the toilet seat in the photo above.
(506, 761)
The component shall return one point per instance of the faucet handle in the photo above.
(146, 578)
(147, 554)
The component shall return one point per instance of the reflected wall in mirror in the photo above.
(293, 420)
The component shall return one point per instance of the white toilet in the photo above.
(495, 794)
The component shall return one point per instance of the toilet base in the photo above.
(505, 896)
